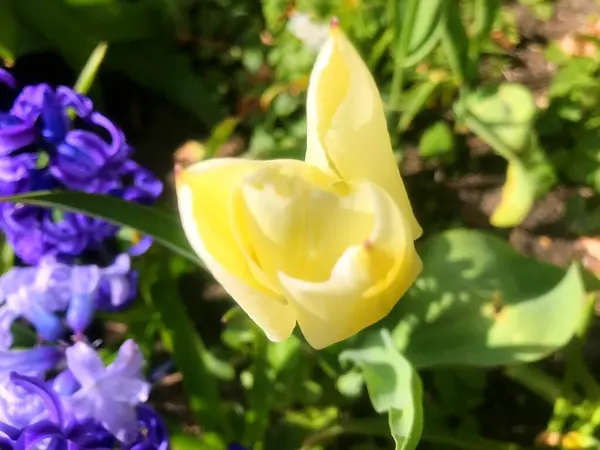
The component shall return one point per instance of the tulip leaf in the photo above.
(479, 302)
(393, 385)
(164, 227)
(503, 117)
(518, 195)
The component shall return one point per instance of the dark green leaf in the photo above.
(162, 226)
(159, 288)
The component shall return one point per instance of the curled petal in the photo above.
(204, 195)
(366, 281)
(84, 363)
(79, 160)
(346, 125)
(65, 383)
(129, 361)
(39, 387)
(7, 78)
(82, 104)
(54, 118)
(84, 283)
(117, 150)
(28, 105)
(32, 361)
(14, 133)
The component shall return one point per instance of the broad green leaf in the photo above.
(479, 302)
(503, 117)
(393, 385)
(162, 226)
(174, 78)
(118, 21)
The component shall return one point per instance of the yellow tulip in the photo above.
(328, 243)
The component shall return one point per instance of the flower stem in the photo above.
(378, 428)
(538, 382)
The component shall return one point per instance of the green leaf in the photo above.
(220, 134)
(181, 441)
(393, 385)
(480, 302)
(160, 225)
(502, 116)
(437, 140)
(518, 195)
(174, 78)
(456, 44)
(415, 100)
(9, 30)
(88, 73)
(159, 288)
(426, 31)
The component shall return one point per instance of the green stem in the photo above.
(257, 416)
(410, 12)
(540, 383)
(577, 373)
(380, 429)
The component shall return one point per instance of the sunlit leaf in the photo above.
(479, 302)
(393, 385)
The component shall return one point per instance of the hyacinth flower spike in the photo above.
(52, 433)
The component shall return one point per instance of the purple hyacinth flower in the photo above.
(89, 154)
(40, 294)
(236, 446)
(19, 407)
(35, 293)
(7, 78)
(109, 395)
(15, 173)
(65, 383)
(93, 287)
(54, 431)
(14, 133)
(155, 435)
(33, 361)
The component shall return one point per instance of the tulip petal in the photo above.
(298, 221)
(204, 193)
(347, 130)
(366, 281)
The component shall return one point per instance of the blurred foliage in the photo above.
(241, 69)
